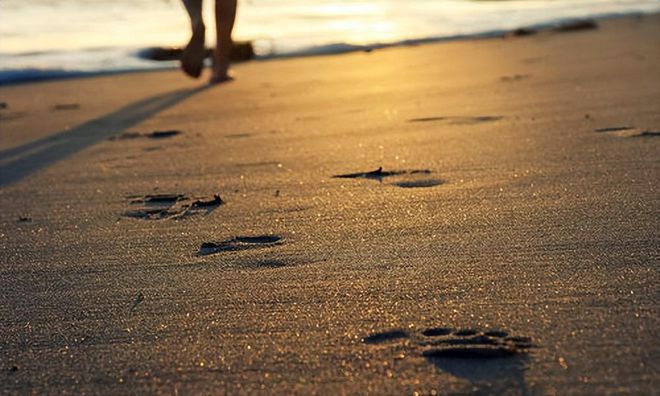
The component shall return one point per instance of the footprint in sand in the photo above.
(150, 135)
(472, 344)
(170, 206)
(241, 243)
(158, 199)
(627, 131)
(445, 342)
(458, 120)
(379, 174)
(415, 178)
(492, 356)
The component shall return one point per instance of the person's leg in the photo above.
(225, 14)
(192, 59)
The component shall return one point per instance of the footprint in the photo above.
(162, 134)
(159, 199)
(458, 120)
(150, 135)
(169, 206)
(403, 178)
(239, 243)
(379, 174)
(491, 356)
(472, 343)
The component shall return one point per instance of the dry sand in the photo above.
(528, 221)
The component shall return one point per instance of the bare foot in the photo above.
(220, 78)
(221, 65)
(192, 59)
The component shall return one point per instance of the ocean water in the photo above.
(41, 39)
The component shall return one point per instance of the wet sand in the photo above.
(465, 217)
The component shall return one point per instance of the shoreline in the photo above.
(28, 75)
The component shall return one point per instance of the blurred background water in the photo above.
(51, 38)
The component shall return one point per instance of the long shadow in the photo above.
(19, 162)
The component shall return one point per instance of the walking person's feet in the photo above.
(220, 78)
(192, 58)
(220, 71)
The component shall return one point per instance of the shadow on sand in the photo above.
(19, 162)
(504, 375)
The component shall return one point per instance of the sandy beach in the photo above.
(468, 217)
